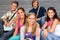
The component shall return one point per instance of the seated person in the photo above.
(51, 28)
(31, 27)
(39, 12)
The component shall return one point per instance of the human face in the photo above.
(20, 13)
(51, 14)
(31, 19)
(35, 4)
(13, 6)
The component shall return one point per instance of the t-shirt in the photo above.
(7, 16)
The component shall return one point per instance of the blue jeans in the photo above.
(6, 35)
(41, 21)
(41, 35)
(50, 36)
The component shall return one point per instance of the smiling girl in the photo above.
(51, 26)
(31, 27)
(20, 20)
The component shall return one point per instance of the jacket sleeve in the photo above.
(22, 31)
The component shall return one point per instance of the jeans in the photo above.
(50, 36)
(41, 35)
(41, 21)
(7, 35)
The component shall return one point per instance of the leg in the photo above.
(17, 37)
(41, 21)
(41, 35)
(7, 35)
(1, 27)
(38, 37)
(54, 37)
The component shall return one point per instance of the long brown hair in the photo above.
(27, 24)
(21, 8)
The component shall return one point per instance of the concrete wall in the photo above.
(5, 5)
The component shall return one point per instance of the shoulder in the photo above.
(31, 10)
(56, 20)
(8, 13)
(42, 7)
(37, 24)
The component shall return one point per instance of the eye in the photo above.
(21, 12)
(17, 13)
(29, 18)
(33, 18)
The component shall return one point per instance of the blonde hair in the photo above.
(27, 24)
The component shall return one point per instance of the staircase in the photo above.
(26, 4)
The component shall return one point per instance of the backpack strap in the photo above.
(12, 16)
(38, 11)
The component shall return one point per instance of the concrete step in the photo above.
(26, 4)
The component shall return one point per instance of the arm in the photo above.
(45, 32)
(44, 26)
(4, 17)
(5, 22)
(11, 21)
(38, 19)
(38, 30)
(43, 10)
(16, 29)
(41, 18)
(53, 26)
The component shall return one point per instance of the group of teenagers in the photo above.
(38, 24)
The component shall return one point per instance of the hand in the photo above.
(45, 33)
(6, 23)
(29, 39)
(37, 19)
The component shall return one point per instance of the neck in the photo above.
(22, 21)
(12, 11)
(21, 18)
(30, 25)
(35, 7)
(51, 19)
